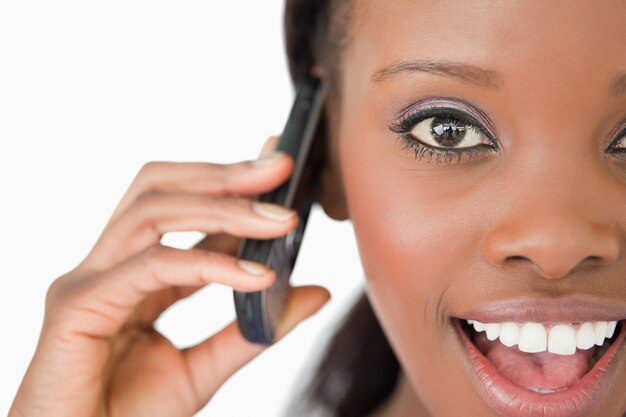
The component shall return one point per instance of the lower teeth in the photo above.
(546, 391)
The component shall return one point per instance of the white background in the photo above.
(89, 92)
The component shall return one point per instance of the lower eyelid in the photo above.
(452, 155)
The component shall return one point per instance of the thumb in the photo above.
(303, 302)
(216, 359)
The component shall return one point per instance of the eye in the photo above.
(617, 146)
(444, 132)
(448, 132)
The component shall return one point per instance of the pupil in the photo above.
(448, 132)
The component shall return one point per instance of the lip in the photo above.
(511, 400)
(562, 309)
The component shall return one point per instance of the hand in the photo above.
(98, 352)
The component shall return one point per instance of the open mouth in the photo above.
(542, 369)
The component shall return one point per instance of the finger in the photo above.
(213, 361)
(303, 302)
(240, 178)
(151, 308)
(269, 145)
(100, 304)
(230, 243)
(156, 213)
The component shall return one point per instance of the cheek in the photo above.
(416, 241)
(412, 230)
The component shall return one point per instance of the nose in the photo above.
(556, 236)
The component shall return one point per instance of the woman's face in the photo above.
(524, 225)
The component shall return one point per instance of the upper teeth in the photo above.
(562, 339)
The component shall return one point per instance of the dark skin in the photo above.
(542, 215)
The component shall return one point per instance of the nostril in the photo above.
(555, 246)
(594, 261)
(516, 258)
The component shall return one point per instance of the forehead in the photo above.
(559, 37)
(506, 22)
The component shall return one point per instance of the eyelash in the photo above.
(620, 153)
(404, 126)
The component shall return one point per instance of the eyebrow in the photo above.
(465, 72)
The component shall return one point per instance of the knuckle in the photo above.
(57, 293)
(144, 201)
(222, 209)
(231, 214)
(233, 203)
(150, 172)
(212, 258)
(149, 167)
(146, 172)
(148, 197)
(153, 256)
(206, 264)
(53, 292)
(223, 178)
(209, 202)
(150, 261)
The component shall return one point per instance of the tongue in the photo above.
(543, 370)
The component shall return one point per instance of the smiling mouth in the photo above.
(543, 358)
(534, 368)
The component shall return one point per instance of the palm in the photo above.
(145, 373)
(148, 374)
(151, 378)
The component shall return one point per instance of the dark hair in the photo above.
(358, 370)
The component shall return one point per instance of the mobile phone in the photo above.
(259, 312)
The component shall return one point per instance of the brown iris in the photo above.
(448, 132)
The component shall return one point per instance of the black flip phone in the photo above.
(259, 312)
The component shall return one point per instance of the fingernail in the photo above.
(268, 159)
(273, 211)
(252, 267)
